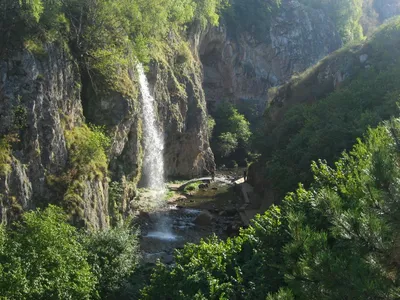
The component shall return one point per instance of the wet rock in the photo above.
(144, 216)
(204, 218)
(178, 198)
(229, 212)
(168, 259)
(203, 186)
(232, 229)
(363, 58)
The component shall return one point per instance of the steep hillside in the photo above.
(321, 112)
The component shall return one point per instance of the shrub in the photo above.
(87, 148)
(5, 156)
(42, 259)
(113, 256)
(231, 134)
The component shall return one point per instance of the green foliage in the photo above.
(210, 125)
(231, 133)
(106, 37)
(346, 15)
(115, 199)
(227, 144)
(192, 186)
(41, 258)
(87, 148)
(207, 11)
(113, 256)
(5, 156)
(336, 240)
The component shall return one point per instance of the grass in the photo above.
(194, 186)
(6, 154)
(87, 150)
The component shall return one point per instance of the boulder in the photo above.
(204, 218)
(203, 186)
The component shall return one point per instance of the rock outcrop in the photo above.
(237, 66)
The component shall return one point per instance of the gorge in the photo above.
(108, 107)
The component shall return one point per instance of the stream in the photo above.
(207, 211)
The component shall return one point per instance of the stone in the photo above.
(203, 186)
(363, 58)
(205, 218)
(168, 259)
(230, 212)
(144, 215)
(222, 213)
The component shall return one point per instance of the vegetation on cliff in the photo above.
(335, 240)
(345, 14)
(231, 135)
(255, 16)
(104, 36)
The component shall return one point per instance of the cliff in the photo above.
(45, 102)
(238, 66)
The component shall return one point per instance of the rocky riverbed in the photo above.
(187, 217)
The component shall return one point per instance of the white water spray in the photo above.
(153, 163)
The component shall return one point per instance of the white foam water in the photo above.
(153, 162)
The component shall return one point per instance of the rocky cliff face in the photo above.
(236, 66)
(39, 98)
(44, 97)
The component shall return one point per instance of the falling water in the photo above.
(153, 164)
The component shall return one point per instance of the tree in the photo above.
(113, 256)
(42, 259)
(232, 131)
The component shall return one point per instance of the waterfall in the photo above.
(153, 163)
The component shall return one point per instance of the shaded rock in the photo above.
(144, 216)
(228, 212)
(204, 218)
(363, 58)
(203, 186)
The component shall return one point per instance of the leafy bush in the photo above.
(42, 259)
(106, 37)
(192, 186)
(231, 134)
(113, 256)
(346, 15)
(336, 240)
(5, 156)
(87, 148)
